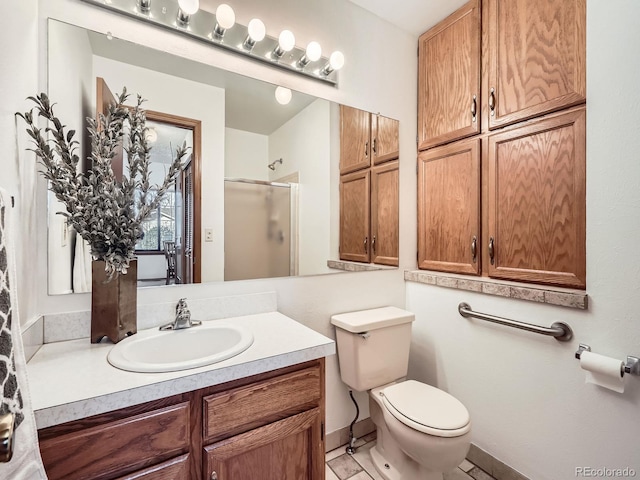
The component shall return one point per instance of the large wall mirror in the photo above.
(255, 197)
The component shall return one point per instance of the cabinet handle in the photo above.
(474, 110)
(214, 476)
(474, 246)
(366, 149)
(373, 244)
(491, 250)
(366, 240)
(375, 151)
(492, 101)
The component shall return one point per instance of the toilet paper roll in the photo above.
(603, 371)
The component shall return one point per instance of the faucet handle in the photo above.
(182, 305)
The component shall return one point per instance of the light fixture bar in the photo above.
(201, 25)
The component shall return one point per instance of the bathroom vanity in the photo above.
(257, 415)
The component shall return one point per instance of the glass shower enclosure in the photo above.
(260, 229)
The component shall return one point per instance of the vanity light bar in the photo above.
(204, 26)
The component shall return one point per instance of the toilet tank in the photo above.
(373, 346)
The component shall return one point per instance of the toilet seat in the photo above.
(426, 409)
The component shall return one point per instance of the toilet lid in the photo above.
(427, 409)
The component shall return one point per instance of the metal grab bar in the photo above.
(559, 330)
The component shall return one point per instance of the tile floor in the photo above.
(341, 466)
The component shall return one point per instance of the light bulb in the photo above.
(286, 40)
(189, 7)
(257, 30)
(225, 16)
(336, 60)
(314, 51)
(151, 135)
(283, 95)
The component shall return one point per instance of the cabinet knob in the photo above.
(373, 244)
(492, 101)
(366, 240)
(474, 108)
(214, 476)
(474, 247)
(491, 250)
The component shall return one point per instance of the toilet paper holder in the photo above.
(632, 365)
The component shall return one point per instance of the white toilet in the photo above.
(422, 431)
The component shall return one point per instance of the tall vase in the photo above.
(114, 303)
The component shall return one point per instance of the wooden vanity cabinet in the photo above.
(268, 426)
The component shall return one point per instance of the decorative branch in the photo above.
(107, 213)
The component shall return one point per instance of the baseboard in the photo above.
(492, 466)
(340, 437)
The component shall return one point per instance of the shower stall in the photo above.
(260, 229)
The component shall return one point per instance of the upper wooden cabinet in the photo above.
(355, 136)
(449, 78)
(537, 202)
(385, 143)
(537, 53)
(533, 63)
(449, 208)
(366, 139)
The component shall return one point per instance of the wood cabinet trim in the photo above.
(174, 469)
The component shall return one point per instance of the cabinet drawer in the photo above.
(245, 408)
(100, 452)
(174, 469)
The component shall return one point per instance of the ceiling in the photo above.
(250, 104)
(413, 16)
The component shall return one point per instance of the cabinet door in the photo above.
(174, 469)
(355, 142)
(537, 202)
(290, 449)
(384, 214)
(385, 144)
(354, 216)
(449, 208)
(449, 78)
(537, 58)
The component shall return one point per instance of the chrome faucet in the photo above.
(183, 318)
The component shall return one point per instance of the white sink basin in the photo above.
(168, 351)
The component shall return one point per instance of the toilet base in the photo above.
(389, 472)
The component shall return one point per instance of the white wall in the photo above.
(246, 155)
(72, 88)
(364, 83)
(303, 144)
(19, 55)
(528, 400)
(204, 103)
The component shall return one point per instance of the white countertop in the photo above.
(73, 379)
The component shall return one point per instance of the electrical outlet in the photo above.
(208, 234)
